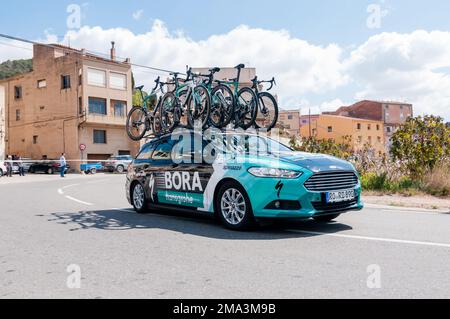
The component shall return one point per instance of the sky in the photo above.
(325, 54)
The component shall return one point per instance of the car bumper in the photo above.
(297, 201)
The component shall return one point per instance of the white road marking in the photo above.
(72, 185)
(61, 190)
(414, 212)
(78, 201)
(389, 240)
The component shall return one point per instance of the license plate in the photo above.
(341, 196)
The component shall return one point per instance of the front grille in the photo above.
(331, 181)
(333, 207)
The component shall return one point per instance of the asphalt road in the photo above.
(49, 223)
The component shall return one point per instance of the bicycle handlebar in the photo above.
(272, 82)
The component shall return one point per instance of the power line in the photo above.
(9, 37)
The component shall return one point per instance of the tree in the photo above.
(16, 67)
(420, 143)
(311, 144)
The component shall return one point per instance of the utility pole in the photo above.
(309, 120)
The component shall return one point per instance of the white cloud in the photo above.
(412, 67)
(405, 67)
(14, 50)
(299, 66)
(138, 14)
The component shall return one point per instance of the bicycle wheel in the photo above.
(137, 123)
(156, 120)
(199, 107)
(168, 111)
(247, 108)
(267, 115)
(222, 106)
(183, 119)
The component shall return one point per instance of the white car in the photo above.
(2, 168)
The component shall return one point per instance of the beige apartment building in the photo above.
(69, 99)
(361, 131)
(289, 121)
(392, 114)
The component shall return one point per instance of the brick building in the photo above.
(70, 98)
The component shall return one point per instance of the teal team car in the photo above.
(240, 178)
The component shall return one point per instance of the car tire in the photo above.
(1, 172)
(50, 171)
(93, 171)
(31, 170)
(138, 198)
(120, 169)
(326, 218)
(233, 207)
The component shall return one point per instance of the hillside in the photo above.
(12, 68)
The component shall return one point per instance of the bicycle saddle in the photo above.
(214, 70)
(240, 66)
(139, 87)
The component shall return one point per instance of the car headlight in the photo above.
(274, 172)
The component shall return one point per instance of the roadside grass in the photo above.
(436, 182)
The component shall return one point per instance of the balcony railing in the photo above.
(106, 119)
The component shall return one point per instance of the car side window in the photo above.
(146, 152)
(163, 151)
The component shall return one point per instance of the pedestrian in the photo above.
(62, 164)
(20, 165)
(9, 166)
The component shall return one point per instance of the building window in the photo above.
(41, 84)
(97, 106)
(402, 116)
(119, 108)
(360, 139)
(379, 139)
(370, 140)
(378, 127)
(388, 129)
(290, 117)
(65, 82)
(369, 127)
(330, 129)
(99, 137)
(118, 81)
(35, 139)
(96, 77)
(17, 92)
(17, 115)
(358, 126)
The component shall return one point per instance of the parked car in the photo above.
(26, 162)
(118, 164)
(2, 168)
(91, 168)
(48, 167)
(246, 178)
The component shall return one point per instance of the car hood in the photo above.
(316, 162)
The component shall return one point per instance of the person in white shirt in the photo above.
(62, 164)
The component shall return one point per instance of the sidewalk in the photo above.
(418, 201)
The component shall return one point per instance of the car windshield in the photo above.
(248, 144)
